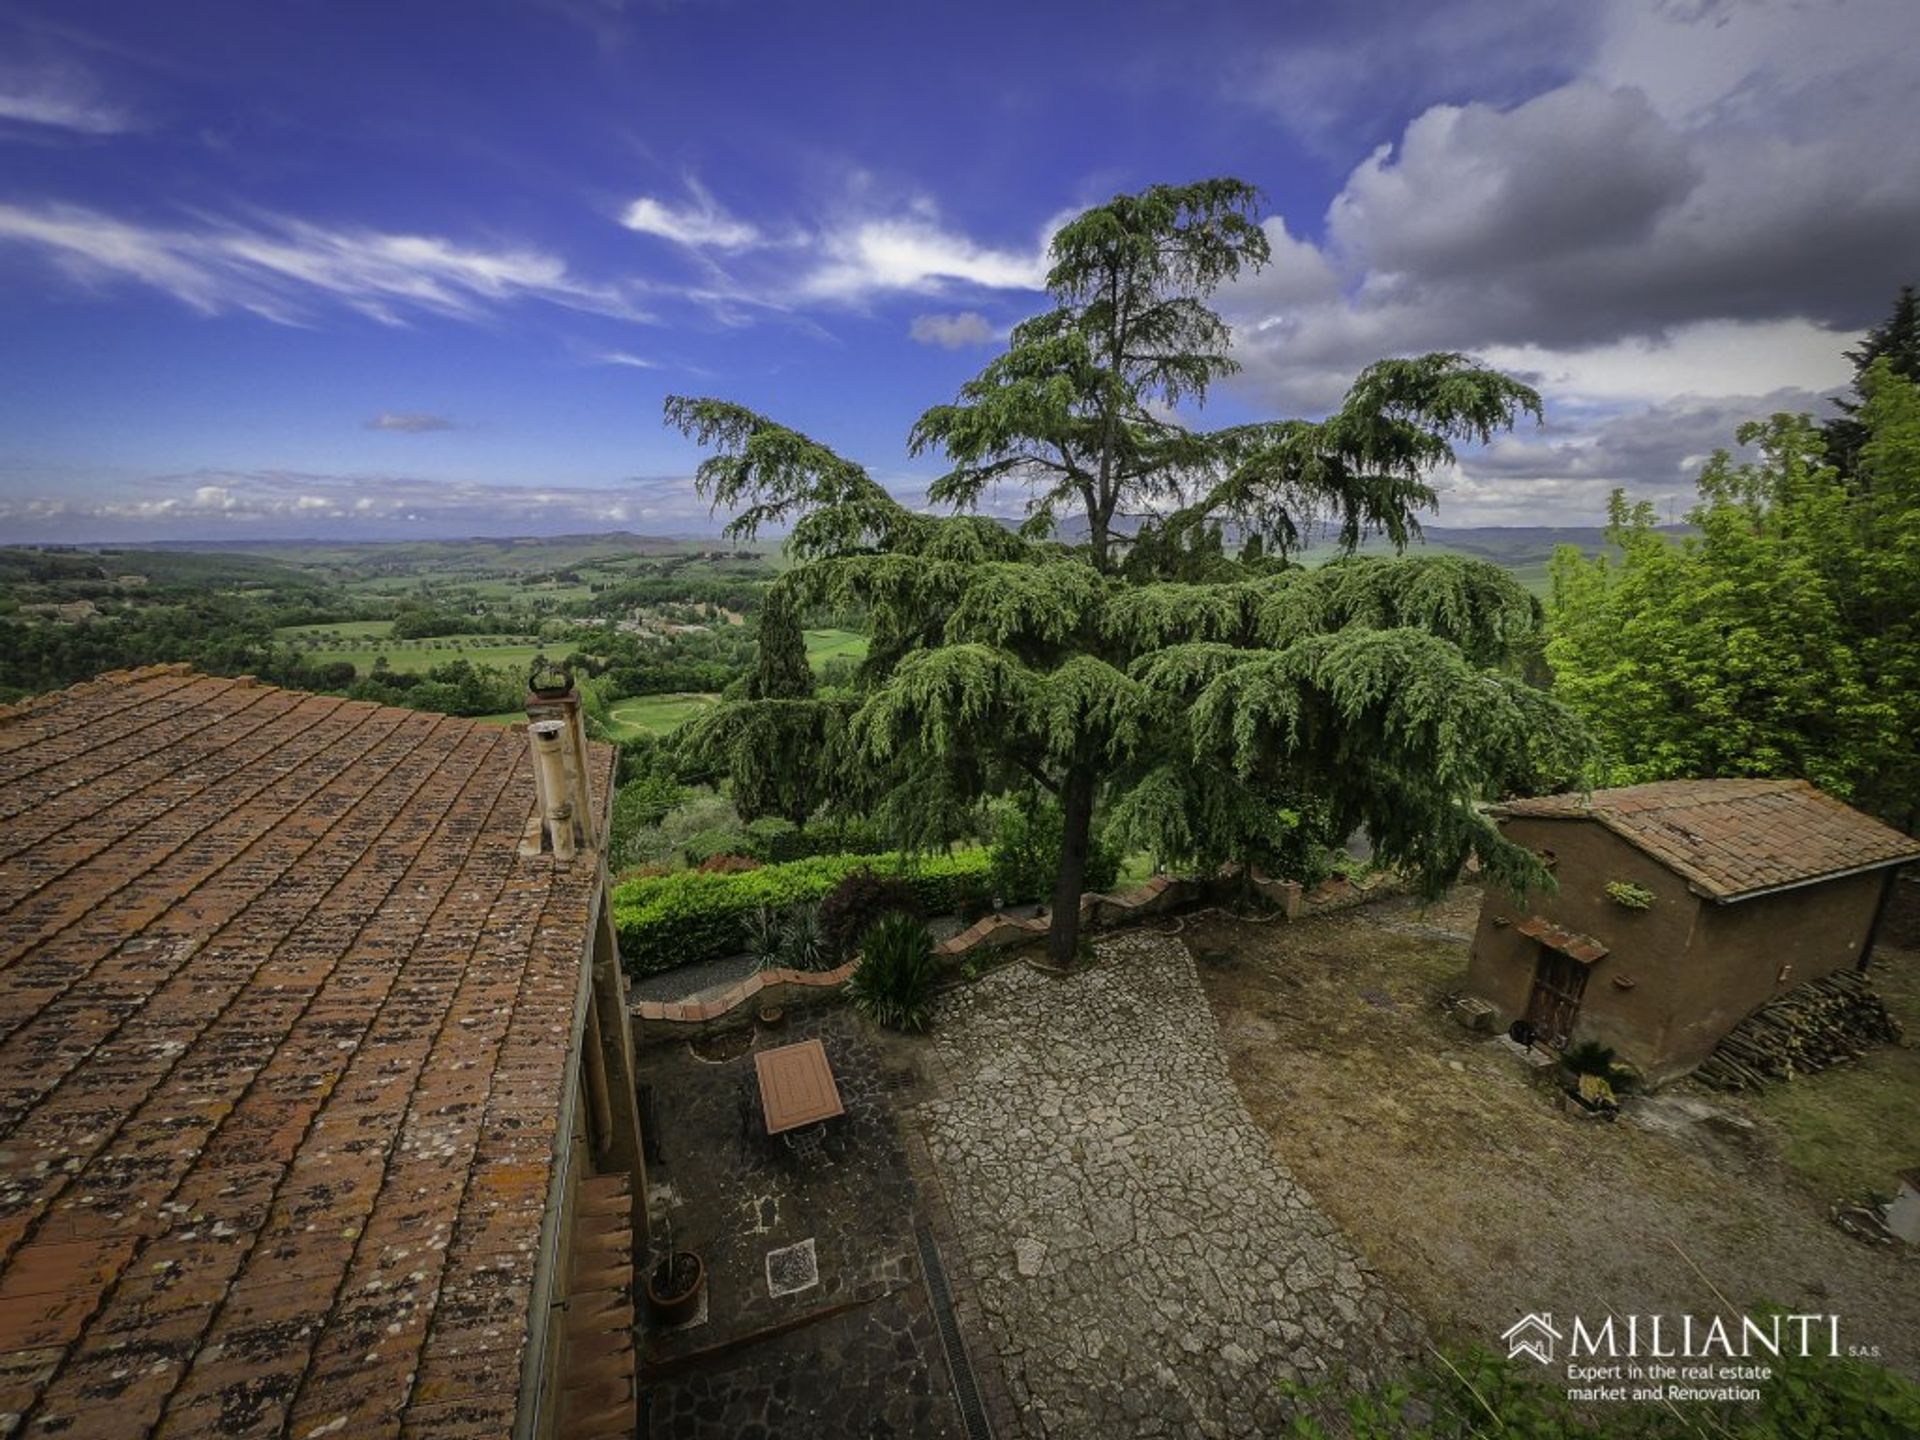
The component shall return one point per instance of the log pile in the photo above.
(1825, 1022)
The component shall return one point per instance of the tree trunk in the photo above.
(1076, 801)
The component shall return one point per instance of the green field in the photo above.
(655, 714)
(636, 715)
(361, 642)
(825, 645)
(330, 635)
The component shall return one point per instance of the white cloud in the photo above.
(403, 423)
(287, 504)
(914, 253)
(628, 359)
(1753, 60)
(953, 332)
(863, 249)
(59, 97)
(1688, 233)
(281, 268)
(1712, 357)
(1471, 188)
(701, 225)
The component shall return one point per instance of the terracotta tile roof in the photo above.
(284, 1024)
(1733, 838)
(1570, 943)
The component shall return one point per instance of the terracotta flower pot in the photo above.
(678, 1307)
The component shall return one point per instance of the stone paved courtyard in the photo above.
(818, 1322)
(1145, 1265)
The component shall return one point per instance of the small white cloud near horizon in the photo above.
(953, 332)
(627, 359)
(288, 504)
(405, 423)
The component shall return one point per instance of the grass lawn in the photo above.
(655, 714)
(343, 630)
(825, 645)
(420, 656)
(1457, 1173)
(1850, 1130)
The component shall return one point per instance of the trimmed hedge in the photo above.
(669, 920)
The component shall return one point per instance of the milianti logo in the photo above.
(1677, 1337)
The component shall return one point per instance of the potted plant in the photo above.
(673, 1285)
(548, 680)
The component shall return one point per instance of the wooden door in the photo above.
(1558, 983)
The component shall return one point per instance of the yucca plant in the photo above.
(764, 930)
(802, 946)
(893, 983)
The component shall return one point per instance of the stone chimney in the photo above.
(564, 797)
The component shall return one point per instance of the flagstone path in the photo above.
(1144, 1263)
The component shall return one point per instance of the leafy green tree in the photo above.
(1194, 690)
(1783, 639)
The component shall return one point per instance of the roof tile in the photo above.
(1733, 838)
(278, 1073)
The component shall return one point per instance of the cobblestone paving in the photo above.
(1146, 1266)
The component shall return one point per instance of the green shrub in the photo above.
(637, 808)
(1630, 896)
(857, 903)
(668, 920)
(777, 841)
(721, 840)
(893, 983)
(1026, 854)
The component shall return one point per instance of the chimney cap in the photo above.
(547, 729)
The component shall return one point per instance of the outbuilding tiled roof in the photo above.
(1733, 838)
(284, 1028)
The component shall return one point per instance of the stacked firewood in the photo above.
(1825, 1022)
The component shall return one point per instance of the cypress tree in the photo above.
(780, 668)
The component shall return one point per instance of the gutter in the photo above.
(537, 1383)
(1867, 869)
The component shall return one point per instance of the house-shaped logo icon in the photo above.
(1532, 1335)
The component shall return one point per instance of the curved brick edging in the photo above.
(679, 1019)
(773, 986)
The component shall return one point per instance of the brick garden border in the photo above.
(683, 1019)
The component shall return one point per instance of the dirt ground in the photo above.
(1453, 1169)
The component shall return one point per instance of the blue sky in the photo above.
(357, 269)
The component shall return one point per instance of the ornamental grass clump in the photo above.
(893, 983)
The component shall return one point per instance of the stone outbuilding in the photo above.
(317, 1111)
(1682, 907)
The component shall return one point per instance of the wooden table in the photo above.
(796, 1086)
